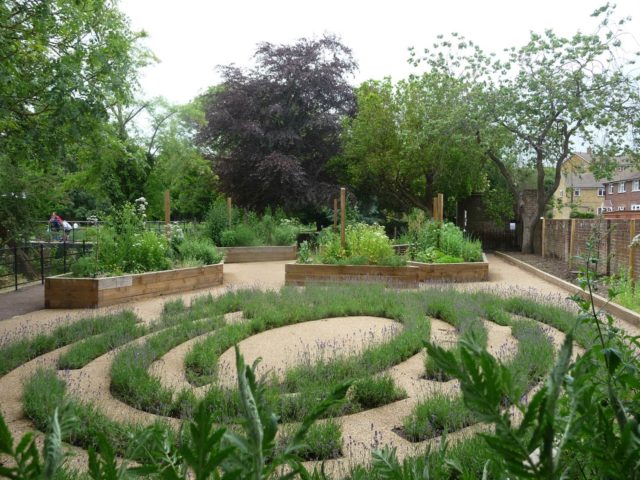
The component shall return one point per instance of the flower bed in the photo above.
(453, 272)
(302, 274)
(258, 254)
(66, 292)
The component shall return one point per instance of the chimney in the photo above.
(589, 151)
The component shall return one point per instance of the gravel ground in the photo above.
(553, 266)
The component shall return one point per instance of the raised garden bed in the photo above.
(66, 292)
(258, 254)
(300, 274)
(453, 272)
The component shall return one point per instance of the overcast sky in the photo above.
(192, 37)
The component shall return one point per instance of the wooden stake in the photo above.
(543, 233)
(335, 214)
(229, 211)
(343, 216)
(167, 212)
(632, 250)
(572, 241)
(441, 207)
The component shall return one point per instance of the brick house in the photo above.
(578, 189)
(622, 193)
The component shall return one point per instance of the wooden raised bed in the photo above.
(298, 274)
(453, 272)
(258, 254)
(66, 292)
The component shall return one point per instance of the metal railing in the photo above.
(20, 265)
(85, 231)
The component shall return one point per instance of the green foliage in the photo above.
(119, 333)
(435, 242)
(372, 392)
(304, 253)
(580, 423)
(435, 416)
(364, 245)
(409, 140)
(531, 103)
(18, 352)
(64, 66)
(217, 220)
(124, 246)
(200, 249)
(250, 229)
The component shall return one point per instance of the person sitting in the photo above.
(55, 224)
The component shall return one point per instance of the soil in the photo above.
(555, 267)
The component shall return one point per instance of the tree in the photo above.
(178, 165)
(531, 108)
(410, 141)
(270, 131)
(63, 63)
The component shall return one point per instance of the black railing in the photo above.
(20, 265)
(85, 231)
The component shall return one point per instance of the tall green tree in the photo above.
(63, 63)
(533, 107)
(178, 164)
(410, 141)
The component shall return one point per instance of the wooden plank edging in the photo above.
(614, 309)
(259, 254)
(300, 274)
(66, 292)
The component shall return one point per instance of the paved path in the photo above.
(504, 278)
(21, 301)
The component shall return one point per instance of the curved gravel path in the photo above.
(362, 431)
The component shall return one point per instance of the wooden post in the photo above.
(343, 216)
(632, 250)
(229, 211)
(335, 214)
(543, 242)
(441, 207)
(167, 213)
(608, 224)
(572, 241)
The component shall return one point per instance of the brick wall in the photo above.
(610, 238)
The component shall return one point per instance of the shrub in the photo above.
(200, 249)
(435, 416)
(364, 245)
(85, 267)
(245, 236)
(217, 220)
(285, 235)
(372, 392)
(432, 240)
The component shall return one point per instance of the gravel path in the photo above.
(361, 431)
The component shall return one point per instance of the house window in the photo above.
(611, 188)
(601, 210)
(621, 188)
(635, 186)
(635, 207)
(601, 191)
(621, 208)
(576, 192)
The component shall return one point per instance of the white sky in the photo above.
(192, 37)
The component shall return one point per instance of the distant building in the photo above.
(622, 193)
(579, 190)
